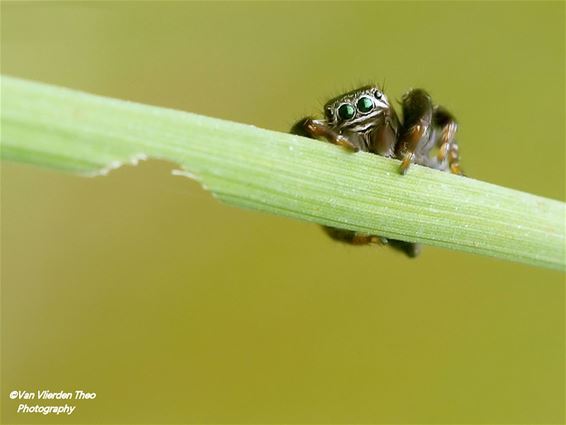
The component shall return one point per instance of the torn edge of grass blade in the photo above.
(280, 173)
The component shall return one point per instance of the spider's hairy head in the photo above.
(355, 107)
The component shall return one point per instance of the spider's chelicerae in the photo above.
(363, 119)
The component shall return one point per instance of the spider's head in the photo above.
(356, 108)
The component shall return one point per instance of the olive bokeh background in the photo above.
(173, 308)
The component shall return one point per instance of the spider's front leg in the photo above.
(416, 127)
(315, 129)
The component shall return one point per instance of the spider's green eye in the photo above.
(346, 111)
(365, 104)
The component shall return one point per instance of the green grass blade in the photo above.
(281, 174)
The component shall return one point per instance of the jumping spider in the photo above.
(363, 119)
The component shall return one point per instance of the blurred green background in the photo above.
(174, 308)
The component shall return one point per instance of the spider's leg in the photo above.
(409, 248)
(454, 159)
(309, 127)
(354, 238)
(447, 126)
(416, 127)
(446, 142)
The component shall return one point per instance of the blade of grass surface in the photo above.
(281, 174)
